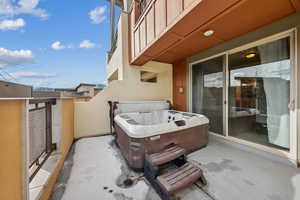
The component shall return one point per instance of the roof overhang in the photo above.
(228, 19)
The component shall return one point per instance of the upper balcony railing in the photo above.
(141, 8)
(150, 20)
(114, 44)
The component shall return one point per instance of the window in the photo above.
(149, 77)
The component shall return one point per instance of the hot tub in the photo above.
(139, 133)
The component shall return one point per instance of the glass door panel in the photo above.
(259, 94)
(207, 91)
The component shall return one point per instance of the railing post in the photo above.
(48, 127)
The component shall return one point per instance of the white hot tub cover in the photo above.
(141, 106)
(148, 124)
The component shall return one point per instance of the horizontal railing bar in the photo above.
(39, 167)
(37, 158)
(35, 109)
(35, 101)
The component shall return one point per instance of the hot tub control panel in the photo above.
(180, 123)
(179, 117)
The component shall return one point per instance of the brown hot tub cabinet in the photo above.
(135, 149)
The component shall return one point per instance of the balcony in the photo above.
(170, 30)
(231, 172)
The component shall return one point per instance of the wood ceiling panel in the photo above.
(203, 12)
(162, 44)
(141, 60)
(166, 57)
(195, 43)
(249, 16)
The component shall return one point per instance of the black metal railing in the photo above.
(40, 136)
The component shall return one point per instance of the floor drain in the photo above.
(128, 182)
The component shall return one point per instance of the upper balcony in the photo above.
(170, 30)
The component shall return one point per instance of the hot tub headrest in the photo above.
(141, 106)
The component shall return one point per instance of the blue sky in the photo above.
(54, 43)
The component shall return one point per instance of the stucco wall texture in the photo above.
(92, 118)
(11, 159)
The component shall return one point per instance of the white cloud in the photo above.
(98, 15)
(12, 24)
(16, 7)
(87, 44)
(14, 57)
(70, 46)
(43, 83)
(32, 75)
(57, 46)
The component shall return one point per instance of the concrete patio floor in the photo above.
(95, 169)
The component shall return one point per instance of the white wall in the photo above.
(92, 118)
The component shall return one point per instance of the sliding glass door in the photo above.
(248, 94)
(208, 91)
(259, 94)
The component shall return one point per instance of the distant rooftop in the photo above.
(85, 84)
(14, 90)
(65, 89)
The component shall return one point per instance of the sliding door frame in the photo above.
(292, 34)
(190, 93)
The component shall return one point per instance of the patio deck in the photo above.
(95, 169)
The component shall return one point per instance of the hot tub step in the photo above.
(178, 179)
(166, 155)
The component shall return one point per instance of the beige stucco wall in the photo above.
(92, 118)
(12, 132)
(67, 136)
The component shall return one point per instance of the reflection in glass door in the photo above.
(207, 91)
(259, 94)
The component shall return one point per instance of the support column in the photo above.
(112, 23)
